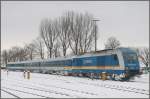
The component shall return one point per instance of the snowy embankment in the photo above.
(14, 85)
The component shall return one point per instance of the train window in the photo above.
(130, 58)
(50, 64)
(74, 60)
(115, 57)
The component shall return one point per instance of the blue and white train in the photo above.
(120, 63)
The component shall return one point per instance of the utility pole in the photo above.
(95, 20)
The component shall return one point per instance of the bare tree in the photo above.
(64, 23)
(144, 55)
(81, 32)
(87, 35)
(23, 54)
(73, 35)
(10, 55)
(14, 53)
(112, 43)
(39, 47)
(56, 49)
(49, 34)
(30, 48)
(75, 30)
(4, 57)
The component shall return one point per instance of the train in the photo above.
(115, 64)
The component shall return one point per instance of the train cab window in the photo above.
(130, 58)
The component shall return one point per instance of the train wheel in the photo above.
(117, 77)
(74, 74)
(112, 76)
(100, 76)
(80, 75)
(86, 75)
(108, 76)
(104, 76)
(96, 75)
(92, 76)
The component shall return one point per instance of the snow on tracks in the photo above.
(56, 86)
(23, 93)
(10, 94)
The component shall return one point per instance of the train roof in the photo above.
(87, 54)
(41, 60)
(127, 50)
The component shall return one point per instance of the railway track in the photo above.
(121, 88)
(129, 89)
(6, 88)
(10, 93)
(65, 81)
(41, 89)
(47, 90)
(47, 85)
(110, 86)
(83, 92)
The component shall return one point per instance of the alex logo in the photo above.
(87, 61)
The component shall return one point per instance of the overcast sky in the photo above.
(128, 21)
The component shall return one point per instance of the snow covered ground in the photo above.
(14, 85)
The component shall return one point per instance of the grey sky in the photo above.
(128, 21)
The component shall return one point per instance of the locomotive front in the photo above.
(131, 62)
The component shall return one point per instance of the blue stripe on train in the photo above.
(96, 71)
(106, 60)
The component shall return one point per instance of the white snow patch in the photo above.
(56, 86)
